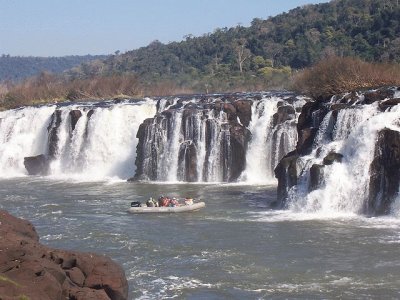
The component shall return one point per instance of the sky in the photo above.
(80, 27)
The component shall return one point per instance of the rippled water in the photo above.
(235, 248)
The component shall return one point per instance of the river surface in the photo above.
(235, 248)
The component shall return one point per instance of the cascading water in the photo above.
(101, 144)
(207, 139)
(271, 138)
(345, 186)
(189, 139)
(23, 132)
(184, 145)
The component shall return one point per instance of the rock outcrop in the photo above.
(29, 270)
(385, 173)
(36, 165)
(52, 130)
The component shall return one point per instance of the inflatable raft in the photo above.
(167, 209)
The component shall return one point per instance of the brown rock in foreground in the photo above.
(27, 268)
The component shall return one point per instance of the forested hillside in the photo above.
(267, 51)
(262, 56)
(16, 68)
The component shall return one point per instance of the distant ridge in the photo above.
(17, 68)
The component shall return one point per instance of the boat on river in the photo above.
(167, 209)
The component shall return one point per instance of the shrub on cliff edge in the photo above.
(336, 75)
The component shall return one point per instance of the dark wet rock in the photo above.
(90, 113)
(316, 177)
(191, 106)
(311, 116)
(74, 115)
(230, 111)
(324, 98)
(332, 157)
(36, 165)
(28, 268)
(385, 173)
(349, 98)
(243, 108)
(188, 160)
(388, 103)
(306, 140)
(167, 113)
(305, 118)
(339, 106)
(52, 130)
(178, 105)
(239, 139)
(158, 105)
(284, 113)
(380, 94)
(142, 153)
(287, 175)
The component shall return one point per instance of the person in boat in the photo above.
(188, 201)
(152, 202)
(174, 202)
(164, 201)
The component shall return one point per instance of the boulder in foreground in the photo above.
(29, 270)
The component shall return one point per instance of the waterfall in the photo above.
(23, 132)
(185, 143)
(211, 138)
(345, 186)
(102, 142)
(270, 141)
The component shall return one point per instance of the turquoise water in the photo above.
(235, 248)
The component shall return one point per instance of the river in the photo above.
(235, 248)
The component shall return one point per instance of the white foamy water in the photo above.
(269, 143)
(101, 146)
(346, 184)
(23, 132)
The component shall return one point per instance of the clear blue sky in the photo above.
(78, 27)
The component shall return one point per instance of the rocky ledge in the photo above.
(29, 270)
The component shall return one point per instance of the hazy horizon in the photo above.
(58, 28)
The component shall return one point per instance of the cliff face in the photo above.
(347, 155)
(31, 269)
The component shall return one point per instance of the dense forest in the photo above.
(268, 50)
(17, 68)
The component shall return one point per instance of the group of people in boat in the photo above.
(164, 201)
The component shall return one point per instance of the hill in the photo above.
(266, 52)
(17, 68)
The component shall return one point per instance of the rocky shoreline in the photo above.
(30, 270)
